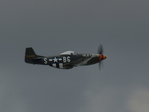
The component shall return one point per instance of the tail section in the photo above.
(29, 55)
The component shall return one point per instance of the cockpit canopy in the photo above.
(69, 53)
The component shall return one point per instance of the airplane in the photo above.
(65, 60)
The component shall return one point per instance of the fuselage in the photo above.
(68, 61)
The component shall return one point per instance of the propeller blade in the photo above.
(100, 49)
(100, 64)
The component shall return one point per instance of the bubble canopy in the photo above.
(69, 53)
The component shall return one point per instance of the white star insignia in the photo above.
(55, 59)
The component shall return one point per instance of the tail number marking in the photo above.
(30, 56)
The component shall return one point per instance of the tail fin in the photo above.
(29, 55)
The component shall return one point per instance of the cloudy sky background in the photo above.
(55, 26)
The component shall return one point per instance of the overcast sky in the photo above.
(55, 26)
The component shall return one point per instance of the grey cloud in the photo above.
(139, 100)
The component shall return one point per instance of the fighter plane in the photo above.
(65, 60)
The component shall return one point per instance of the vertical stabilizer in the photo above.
(29, 55)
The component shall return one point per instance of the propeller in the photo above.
(101, 56)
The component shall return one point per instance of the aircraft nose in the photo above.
(102, 57)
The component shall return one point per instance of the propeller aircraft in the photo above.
(65, 60)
